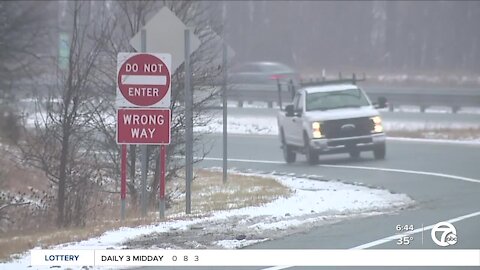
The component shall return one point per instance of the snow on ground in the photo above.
(267, 125)
(260, 125)
(403, 108)
(437, 109)
(312, 203)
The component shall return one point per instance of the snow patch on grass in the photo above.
(312, 203)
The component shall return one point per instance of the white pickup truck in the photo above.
(330, 119)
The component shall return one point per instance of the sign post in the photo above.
(143, 86)
(188, 127)
(166, 33)
(143, 148)
(123, 181)
(224, 97)
(163, 161)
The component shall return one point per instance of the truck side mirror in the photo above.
(381, 103)
(289, 110)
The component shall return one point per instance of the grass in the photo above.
(14, 243)
(208, 194)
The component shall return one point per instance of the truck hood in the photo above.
(344, 113)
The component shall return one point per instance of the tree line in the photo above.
(393, 35)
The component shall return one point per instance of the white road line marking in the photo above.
(406, 171)
(389, 138)
(246, 160)
(455, 177)
(277, 267)
(394, 237)
(386, 239)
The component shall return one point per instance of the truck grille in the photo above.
(343, 128)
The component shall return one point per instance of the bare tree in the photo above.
(134, 15)
(23, 28)
(397, 35)
(61, 143)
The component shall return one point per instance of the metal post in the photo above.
(133, 158)
(143, 160)
(224, 100)
(123, 180)
(163, 160)
(143, 149)
(291, 90)
(188, 126)
(279, 88)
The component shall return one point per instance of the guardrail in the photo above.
(423, 98)
(455, 98)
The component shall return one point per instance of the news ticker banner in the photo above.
(295, 257)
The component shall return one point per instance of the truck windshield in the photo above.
(351, 98)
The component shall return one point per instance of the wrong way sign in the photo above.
(143, 80)
(143, 126)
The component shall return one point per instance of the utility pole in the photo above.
(224, 97)
(188, 127)
(143, 148)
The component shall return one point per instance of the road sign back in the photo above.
(143, 80)
(166, 33)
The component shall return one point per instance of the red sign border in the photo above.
(151, 109)
(122, 102)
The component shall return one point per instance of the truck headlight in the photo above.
(317, 130)
(377, 124)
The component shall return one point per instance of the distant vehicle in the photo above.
(329, 119)
(263, 73)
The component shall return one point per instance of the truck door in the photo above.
(288, 124)
(293, 124)
(297, 124)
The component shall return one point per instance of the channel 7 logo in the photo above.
(447, 233)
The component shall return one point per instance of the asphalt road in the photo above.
(444, 180)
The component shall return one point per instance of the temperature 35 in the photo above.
(404, 239)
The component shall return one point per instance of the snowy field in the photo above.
(314, 202)
(403, 108)
(256, 119)
(267, 125)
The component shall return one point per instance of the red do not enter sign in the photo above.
(144, 79)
